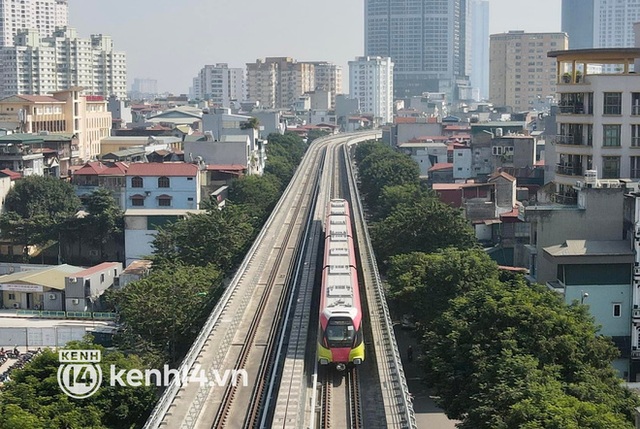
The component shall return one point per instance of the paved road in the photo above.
(428, 415)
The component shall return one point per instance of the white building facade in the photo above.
(220, 84)
(371, 82)
(41, 15)
(37, 66)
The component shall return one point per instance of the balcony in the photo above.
(572, 140)
(572, 109)
(565, 199)
(569, 170)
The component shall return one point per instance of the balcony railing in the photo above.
(569, 200)
(570, 139)
(569, 170)
(576, 109)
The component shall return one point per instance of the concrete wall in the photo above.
(181, 189)
(215, 152)
(462, 163)
(41, 337)
(407, 132)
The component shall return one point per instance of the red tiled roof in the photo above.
(513, 269)
(91, 168)
(101, 267)
(454, 186)
(441, 166)
(457, 127)
(512, 213)
(225, 167)
(173, 169)
(14, 175)
(117, 169)
(404, 120)
(507, 176)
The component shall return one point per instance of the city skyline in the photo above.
(171, 41)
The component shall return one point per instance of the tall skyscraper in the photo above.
(63, 61)
(479, 50)
(220, 84)
(371, 82)
(600, 23)
(522, 76)
(328, 77)
(41, 15)
(425, 40)
(144, 87)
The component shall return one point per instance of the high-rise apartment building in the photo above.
(220, 84)
(521, 74)
(371, 82)
(598, 122)
(328, 77)
(600, 23)
(41, 15)
(144, 87)
(62, 61)
(277, 82)
(479, 47)
(425, 40)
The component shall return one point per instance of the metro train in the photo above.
(340, 339)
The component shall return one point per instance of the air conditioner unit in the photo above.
(52, 296)
(636, 271)
(16, 305)
(638, 230)
(75, 301)
(73, 279)
(508, 149)
(496, 150)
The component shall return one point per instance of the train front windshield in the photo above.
(340, 333)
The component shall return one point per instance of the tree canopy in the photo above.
(217, 237)
(36, 208)
(165, 310)
(257, 194)
(33, 399)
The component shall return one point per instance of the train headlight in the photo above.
(324, 362)
(341, 367)
(357, 361)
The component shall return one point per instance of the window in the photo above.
(634, 171)
(611, 135)
(610, 167)
(635, 135)
(12, 296)
(617, 310)
(163, 182)
(164, 201)
(101, 278)
(137, 201)
(136, 182)
(612, 103)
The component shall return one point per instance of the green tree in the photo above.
(219, 236)
(289, 146)
(36, 207)
(256, 194)
(424, 226)
(366, 148)
(166, 309)
(105, 221)
(424, 283)
(483, 351)
(316, 134)
(396, 195)
(250, 123)
(382, 169)
(33, 399)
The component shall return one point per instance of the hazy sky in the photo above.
(170, 40)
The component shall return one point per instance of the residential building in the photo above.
(598, 121)
(96, 175)
(233, 151)
(136, 270)
(425, 152)
(163, 186)
(579, 250)
(41, 15)
(149, 144)
(83, 289)
(479, 50)
(600, 23)
(121, 115)
(180, 115)
(425, 39)
(277, 82)
(38, 66)
(65, 112)
(521, 74)
(144, 88)
(328, 78)
(371, 82)
(219, 84)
